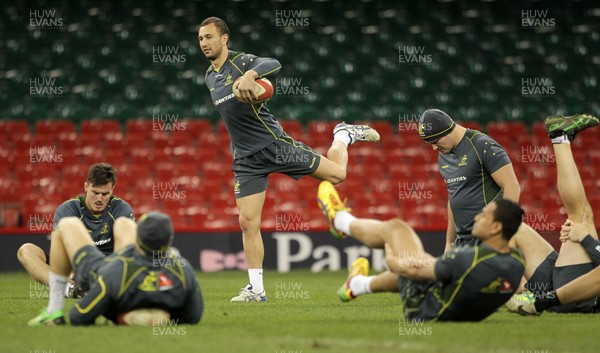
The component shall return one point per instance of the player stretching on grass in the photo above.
(98, 209)
(258, 143)
(548, 272)
(465, 284)
(476, 170)
(141, 276)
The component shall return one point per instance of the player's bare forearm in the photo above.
(506, 178)
(451, 231)
(253, 75)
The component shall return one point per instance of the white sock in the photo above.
(360, 285)
(256, 279)
(57, 292)
(561, 139)
(343, 136)
(342, 221)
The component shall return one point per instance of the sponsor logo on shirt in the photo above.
(102, 242)
(456, 180)
(501, 286)
(445, 166)
(224, 99)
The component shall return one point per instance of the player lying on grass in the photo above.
(259, 145)
(122, 286)
(579, 254)
(465, 284)
(98, 208)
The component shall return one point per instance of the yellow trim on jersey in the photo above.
(298, 146)
(262, 121)
(88, 308)
(270, 72)
(126, 285)
(180, 275)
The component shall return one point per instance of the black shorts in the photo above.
(414, 295)
(86, 263)
(285, 155)
(548, 277)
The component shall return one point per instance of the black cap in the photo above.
(154, 231)
(435, 124)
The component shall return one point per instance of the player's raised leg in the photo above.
(563, 130)
(334, 167)
(403, 246)
(67, 239)
(250, 208)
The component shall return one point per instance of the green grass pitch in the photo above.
(302, 315)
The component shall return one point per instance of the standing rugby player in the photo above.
(259, 144)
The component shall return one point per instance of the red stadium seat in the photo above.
(292, 127)
(54, 127)
(99, 126)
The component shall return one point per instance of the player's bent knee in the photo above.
(396, 223)
(338, 177)
(68, 222)
(28, 251)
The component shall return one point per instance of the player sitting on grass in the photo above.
(547, 272)
(98, 209)
(465, 284)
(142, 283)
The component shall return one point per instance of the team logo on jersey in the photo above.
(150, 283)
(422, 129)
(501, 285)
(236, 187)
(463, 161)
(104, 229)
(228, 80)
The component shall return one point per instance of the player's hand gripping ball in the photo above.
(263, 90)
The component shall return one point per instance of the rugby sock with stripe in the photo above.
(561, 139)
(57, 292)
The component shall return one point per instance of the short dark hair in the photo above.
(102, 174)
(510, 215)
(219, 23)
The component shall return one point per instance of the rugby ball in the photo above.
(262, 88)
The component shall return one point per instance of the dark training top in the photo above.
(127, 281)
(472, 282)
(99, 226)
(251, 127)
(467, 171)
